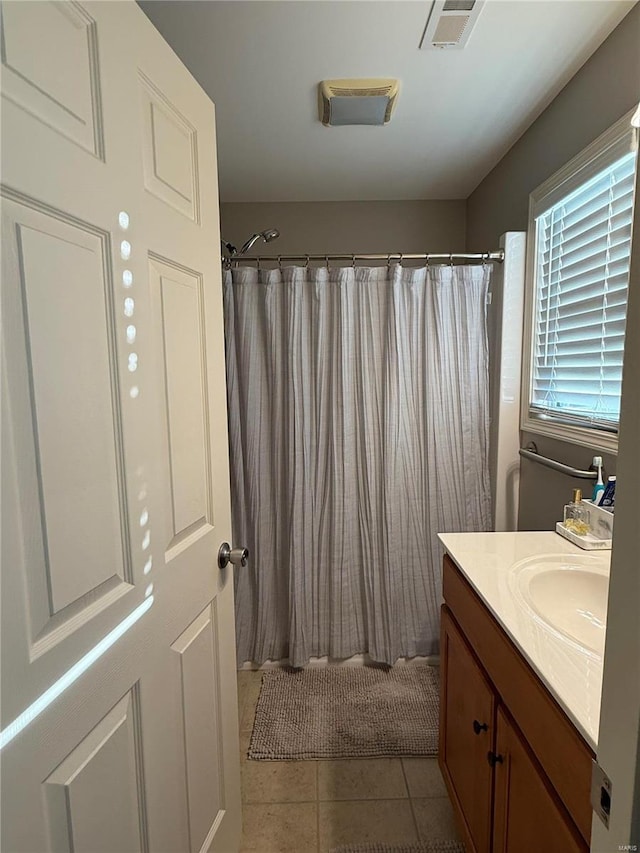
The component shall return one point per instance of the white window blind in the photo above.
(583, 248)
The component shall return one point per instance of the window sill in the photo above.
(594, 439)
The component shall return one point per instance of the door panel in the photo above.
(83, 520)
(467, 732)
(178, 294)
(200, 692)
(169, 151)
(70, 549)
(529, 816)
(119, 708)
(101, 775)
(55, 79)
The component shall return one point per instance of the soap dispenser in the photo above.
(576, 515)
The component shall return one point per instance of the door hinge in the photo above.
(600, 792)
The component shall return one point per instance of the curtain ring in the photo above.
(388, 262)
(326, 258)
(353, 262)
(451, 261)
(306, 263)
(258, 268)
(485, 258)
(400, 261)
(280, 262)
(427, 256)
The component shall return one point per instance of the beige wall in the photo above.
(348, 227)
(604, 89)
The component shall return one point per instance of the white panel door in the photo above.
(118, 705)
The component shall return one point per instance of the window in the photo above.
(578, 275)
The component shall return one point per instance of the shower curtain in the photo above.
(358, 411)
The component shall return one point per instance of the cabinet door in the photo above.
(528, 816)
(466, 734)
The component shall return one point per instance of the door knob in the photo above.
(494, 758)
(479, 727)
(236, 556)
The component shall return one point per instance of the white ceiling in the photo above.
(458, 111)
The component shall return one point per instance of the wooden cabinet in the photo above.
(527, 815)
(467, 714)
(517, 771)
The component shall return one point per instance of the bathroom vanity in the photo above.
(522, 640)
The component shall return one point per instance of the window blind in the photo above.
(583, 249)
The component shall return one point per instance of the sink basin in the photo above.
(568, 594)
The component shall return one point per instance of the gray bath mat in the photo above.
(425, 847)
(346, 712)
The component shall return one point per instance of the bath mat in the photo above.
(346, 712)
(424, 847)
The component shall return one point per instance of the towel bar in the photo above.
(531, 452)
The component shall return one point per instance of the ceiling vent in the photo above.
(368, 101)
(450, 24)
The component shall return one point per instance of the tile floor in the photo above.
(312, 806)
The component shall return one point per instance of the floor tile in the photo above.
(248, 676)
(279, 781)
(361, 779)
(424, 778)
(434, 818)
(245, 740)
(365, 821)
(249, 682)
(280, 828)
(240, 709)
(248, 714)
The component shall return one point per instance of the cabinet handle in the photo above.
(494, 759)
(479, 727)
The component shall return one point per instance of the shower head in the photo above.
(228, 247)
(267, 235)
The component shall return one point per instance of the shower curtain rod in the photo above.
(477, 257)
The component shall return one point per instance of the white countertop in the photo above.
(573, 676)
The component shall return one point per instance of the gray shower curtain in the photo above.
(358, 412)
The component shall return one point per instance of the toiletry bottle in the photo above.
(576, 515)
(609, 495)
(598, 489)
